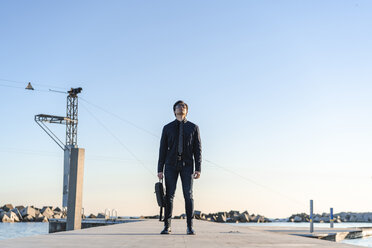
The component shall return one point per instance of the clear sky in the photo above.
(281, 91)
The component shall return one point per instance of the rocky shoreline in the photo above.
(244, 217)
(222, 217)
(337, 218)
(10, 214)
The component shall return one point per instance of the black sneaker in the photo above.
(190, 231)
(166, 230)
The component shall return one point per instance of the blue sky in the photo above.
(280, 90)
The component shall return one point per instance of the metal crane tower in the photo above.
(71, 122)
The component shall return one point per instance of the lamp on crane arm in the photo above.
(74, 91)
(29, 86)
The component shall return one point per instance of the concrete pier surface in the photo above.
(145, 233)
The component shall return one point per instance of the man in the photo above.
(179, 146)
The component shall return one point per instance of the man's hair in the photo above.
(178, 102)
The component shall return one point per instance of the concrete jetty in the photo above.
(145, 233)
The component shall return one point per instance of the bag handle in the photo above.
(161, 214)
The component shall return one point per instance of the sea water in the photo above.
(366, 242)
(23, 229)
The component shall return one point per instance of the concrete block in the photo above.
(102, 215)
(28, 211)
(324, 219)
(297, 219)
(197, 214)
(231, 220)
(353, 218)
(222, 213)
(214, 218)
(4, 218)
(360, 218)
(221, 217)
(45, 207)
(28, 218)
(233, 213)
(57, 216)
(253, 218)
(12, 216)
(244, 217)
(20, 207)
(47, 212)
(7, 207)
(42, 219)
(57, 209)
(16, 211)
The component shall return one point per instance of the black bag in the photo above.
(160, 197)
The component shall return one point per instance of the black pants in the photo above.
(171, 175)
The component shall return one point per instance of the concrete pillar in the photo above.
(75, 189)
(66, 174)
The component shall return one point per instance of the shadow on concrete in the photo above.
(233, 232)
(286, 231)
(119, 234)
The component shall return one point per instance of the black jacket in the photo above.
(169, 145)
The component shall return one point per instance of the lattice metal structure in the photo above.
(51, 118)
(71, 120)
(41, 119)
(72, 115)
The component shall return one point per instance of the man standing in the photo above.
(179, 146)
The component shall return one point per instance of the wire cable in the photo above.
(120, 118)
(54, 154)
(37, 84)
(256, 183)
(118, 140)
(22, 88)
(10, 86)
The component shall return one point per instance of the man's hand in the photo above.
(196, 174)
(160, 175)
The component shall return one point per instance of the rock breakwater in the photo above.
(337, 218)
(11, 214)
(232, 216)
